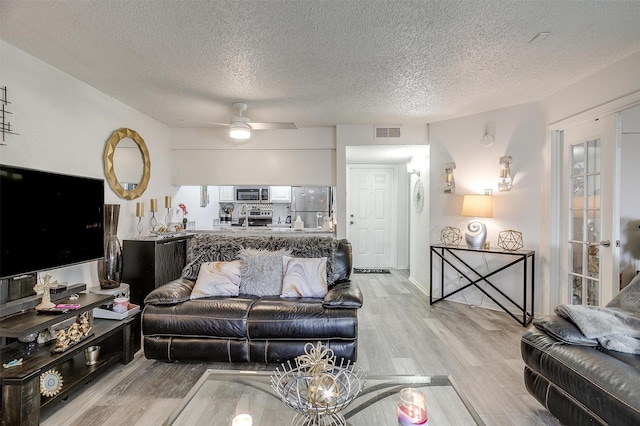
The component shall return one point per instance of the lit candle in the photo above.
(139, 209)
(154, 205)
(242, 420)
(409, 415)
(412, 408)
(167, 201)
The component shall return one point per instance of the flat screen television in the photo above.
(48, 220)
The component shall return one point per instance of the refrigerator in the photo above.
(312, 204)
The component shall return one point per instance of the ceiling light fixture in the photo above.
(239, 129)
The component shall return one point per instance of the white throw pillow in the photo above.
(217, 279)
(304, 277)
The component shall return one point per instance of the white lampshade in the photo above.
(476, 205)
(239, 130)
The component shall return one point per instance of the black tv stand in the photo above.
(21, 398)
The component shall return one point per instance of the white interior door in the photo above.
(588, 204)
(371, 225)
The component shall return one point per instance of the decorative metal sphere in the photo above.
(510, 240)
(450, 236)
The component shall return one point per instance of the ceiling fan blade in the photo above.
(270, 126)
(211, 123)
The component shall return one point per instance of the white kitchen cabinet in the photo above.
(280, 194)
(226, 193)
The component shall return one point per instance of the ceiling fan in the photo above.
(240, 126)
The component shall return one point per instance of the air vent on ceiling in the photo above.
(387, 132)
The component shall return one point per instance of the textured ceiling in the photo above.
(322, 63)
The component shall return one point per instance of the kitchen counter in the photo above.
(264, 230)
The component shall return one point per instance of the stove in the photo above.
(259, 215)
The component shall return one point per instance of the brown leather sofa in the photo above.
(249, 328)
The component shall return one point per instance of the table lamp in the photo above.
(476, 205)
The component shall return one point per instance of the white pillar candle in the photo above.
(242, 420)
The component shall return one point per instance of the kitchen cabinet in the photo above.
(280, 194)
(226, 194)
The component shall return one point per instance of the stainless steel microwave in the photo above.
(252, 193)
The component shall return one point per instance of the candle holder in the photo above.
(153, 221)
(140, 227)
(154, 208)
(140, 215)
(412, 407)
(167, 205)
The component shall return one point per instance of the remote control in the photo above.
(72, 306)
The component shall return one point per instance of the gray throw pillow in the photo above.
(261, 271)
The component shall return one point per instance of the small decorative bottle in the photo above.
(110, 267)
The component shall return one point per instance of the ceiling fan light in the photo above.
(240, 131)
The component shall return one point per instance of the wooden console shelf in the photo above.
(20, 391)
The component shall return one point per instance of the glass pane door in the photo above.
(585, 223)
(589, 259)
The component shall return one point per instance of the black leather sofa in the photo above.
(249, 328)
(580, 384)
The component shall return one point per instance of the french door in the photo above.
(588, 202)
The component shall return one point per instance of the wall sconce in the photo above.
(449, 180)
(504, 183)
(413, 168)
(476, 205)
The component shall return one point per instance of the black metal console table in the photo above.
(450, 255)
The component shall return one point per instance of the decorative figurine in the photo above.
(84, 326)
(510, 240)
(45, 284)
(62, 340)
(450, 236)
(13, 363)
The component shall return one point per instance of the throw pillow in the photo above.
(304, 277)
(217, 279)
(261, 272)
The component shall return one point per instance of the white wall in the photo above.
(419, 223)
(64, 125)
(516, 132)
(274, 157)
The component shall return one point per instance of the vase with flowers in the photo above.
(184, 215)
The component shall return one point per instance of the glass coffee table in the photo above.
(220, 395)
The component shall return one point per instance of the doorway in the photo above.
(372, 224)
(588, 203)
(405, 238)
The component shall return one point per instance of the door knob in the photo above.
(605, 243)
(351, 223)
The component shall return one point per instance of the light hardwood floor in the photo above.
(399, 333)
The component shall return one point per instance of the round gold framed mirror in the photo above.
(132, 189)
